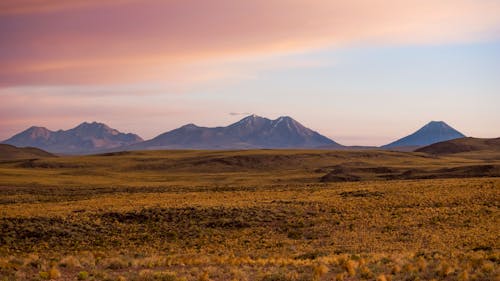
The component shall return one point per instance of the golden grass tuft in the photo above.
(70, 262)
(54, 273)
(350, 267)
(319, 270)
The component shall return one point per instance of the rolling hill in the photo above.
(10, 152)
(462, 145)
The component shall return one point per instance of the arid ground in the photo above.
(251, 215)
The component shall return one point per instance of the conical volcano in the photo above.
(433, 132)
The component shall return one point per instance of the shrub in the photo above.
(445, 269)
(44, 275)
(311, 255)
(275, 277)
(148, 275)
(463, 276)
(396, 269)
(82, 275)
(339, 277)
(204, 277)
(70, 262)
(54, 273)
(350, 267)
(365, 272)
(115, 263)
(319, 270)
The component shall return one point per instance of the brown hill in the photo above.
(10, 152)
(462, 145)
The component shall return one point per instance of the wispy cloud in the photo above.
(239, 113)
(116, 41)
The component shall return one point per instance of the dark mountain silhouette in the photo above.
(85, 138)
(462, 145)
(433, 132)
(10, 152)
(250, 132)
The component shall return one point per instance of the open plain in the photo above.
(251, 215)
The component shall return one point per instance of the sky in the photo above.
(362, 72)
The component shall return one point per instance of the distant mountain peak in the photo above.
(249, 120)
(93, 124)
(436, 124)
(84, 138)
(252, 131)
(432, 132)
(37, 128)
(252, 117)
(189, 126)
(36, 132)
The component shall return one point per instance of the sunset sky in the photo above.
(360, 72)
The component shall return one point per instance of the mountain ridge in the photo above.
(250, 132)
(84, 138)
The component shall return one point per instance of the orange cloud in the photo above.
(89, 42)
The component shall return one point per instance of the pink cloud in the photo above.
(9, 7)
(101, 42)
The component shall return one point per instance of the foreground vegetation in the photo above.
(263, 215)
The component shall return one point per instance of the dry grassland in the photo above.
(250, 215)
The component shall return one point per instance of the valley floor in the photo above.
(251, 215)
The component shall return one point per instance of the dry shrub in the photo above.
(204, 276)
(319, 270)
(114, 263)
(421, 264)
(238, 274)
(409, 268)
(86, 259)
(149, 275)
(54, 273)
(488, 267)
(350, 267)
(365, 272)
(33, 260)
(396, 269)
(280, 276)
(44, 275)
(82, 275)
(70, 262)
(445, 269)
(463, 276)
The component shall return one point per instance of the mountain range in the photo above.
(251, 132)
(84, 138)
